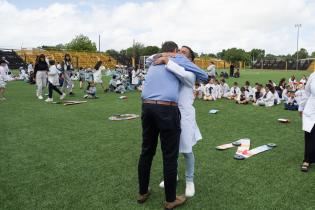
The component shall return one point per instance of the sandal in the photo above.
(305, 166)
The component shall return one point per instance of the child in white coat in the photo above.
(234, 91)
(53, 82)
(269, 98)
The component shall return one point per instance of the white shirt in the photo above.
(235, 90)
(225, 89)
(134, 77)
(53, 77)
(211, 69)
(307, 104)
(30, 68)
(268, 99)
(3, 74)
(303, 81)
(211, 90)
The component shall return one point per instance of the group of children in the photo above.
(126, 81)
(261, 95)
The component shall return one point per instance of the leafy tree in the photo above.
(149, 50)
(313, 55)
(235, 55)
(81, 43)
(302, 54)
(257, 54)
(270, 57)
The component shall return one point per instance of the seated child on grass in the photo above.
(243, 97)
(291, 103)
(268, 99)
(234, 91)
(210, 91)
(90, 91)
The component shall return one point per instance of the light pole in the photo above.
(298, 26)
(99, 43)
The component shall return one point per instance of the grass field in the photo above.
(72, 157)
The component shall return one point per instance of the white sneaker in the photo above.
(49, 100)
(161, 185)
(190, 189)
(62, 96)
(40, 97)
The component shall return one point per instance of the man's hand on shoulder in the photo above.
(161, 60)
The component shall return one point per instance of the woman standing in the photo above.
(40, 72)
(307, 111)
(67, 73)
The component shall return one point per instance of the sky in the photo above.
(205, 25)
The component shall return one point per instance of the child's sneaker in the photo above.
(40, 97)
(62, 96)
(49, 100)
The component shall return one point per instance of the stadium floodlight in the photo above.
(298, 26)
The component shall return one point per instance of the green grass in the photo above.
(73, 157)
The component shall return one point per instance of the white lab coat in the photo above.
(211, 90)
(235, 91)
(135, 77)
(224, 90)
(211, 69)
(97, 75)
(53, 76)
(190, 132)
(3, 77)
(307, 105)
(267, 100)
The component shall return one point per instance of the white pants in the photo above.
(41, 81)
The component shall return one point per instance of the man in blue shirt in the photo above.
(161, 117)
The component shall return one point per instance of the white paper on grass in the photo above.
(213, 111)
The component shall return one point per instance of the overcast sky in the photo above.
(205, 25)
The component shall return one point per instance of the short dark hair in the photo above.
(52, 62)
(169, 46)
(192, 53)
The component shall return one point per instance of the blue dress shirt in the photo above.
(161, 84)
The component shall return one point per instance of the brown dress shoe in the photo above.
(179, 201)
(143, 198)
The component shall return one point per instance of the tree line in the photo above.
(124, 56)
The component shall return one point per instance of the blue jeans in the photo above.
(190, 166)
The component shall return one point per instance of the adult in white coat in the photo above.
(307, 111)
(190, 133)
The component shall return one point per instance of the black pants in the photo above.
(309, 152)
(52, 87)
(163, 121)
